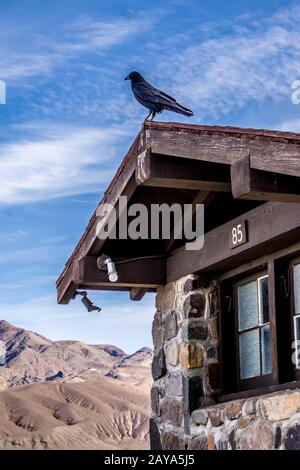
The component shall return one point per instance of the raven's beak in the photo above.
(126, 78)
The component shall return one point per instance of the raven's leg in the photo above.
(147, 116)
(153, 115)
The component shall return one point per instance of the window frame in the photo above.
(278, 266)
(294, 262)
(263, 379)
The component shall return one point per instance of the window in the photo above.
(296, 311)
(260, 325)
(247, 344)
(253, 328)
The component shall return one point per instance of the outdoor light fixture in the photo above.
(105, 263)
(87, 302)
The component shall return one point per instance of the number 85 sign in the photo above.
(238, 234)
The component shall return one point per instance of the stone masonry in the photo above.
(186, 374)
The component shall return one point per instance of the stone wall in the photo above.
(186, 376)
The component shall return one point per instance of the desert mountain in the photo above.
(32, 358)
(70, 395)
(134, 368)
(102, 415)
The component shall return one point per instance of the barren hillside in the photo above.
(78, 396)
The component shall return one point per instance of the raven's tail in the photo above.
(177, 108)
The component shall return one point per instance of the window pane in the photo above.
(248, 305)
(263, 299)
(297, 340)
(296, 270)
(249, 354)
(266, 350)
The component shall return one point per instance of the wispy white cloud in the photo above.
(44, 54)
(256, 61)
(34, 254)
(13, 236)
(57, 161)
(88, 34)
(54, 240)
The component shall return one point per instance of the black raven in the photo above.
(152, 98)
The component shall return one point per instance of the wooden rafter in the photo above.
(249, 183)
(140, 273)
(173, 172)
(195, 157)
(271, 226)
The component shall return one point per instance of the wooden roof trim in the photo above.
(272, 151)
(271, 227)
(127, 161)
(194, 128)
(144, 139)
(274, 135)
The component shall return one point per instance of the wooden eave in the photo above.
(189, 163)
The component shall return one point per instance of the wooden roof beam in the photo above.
(250, 183)
(269, 151)
(270, 227)
(145, 273)
(137, 293)
(172, 172)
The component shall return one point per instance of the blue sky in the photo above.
(70, 118)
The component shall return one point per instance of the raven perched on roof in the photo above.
(152, 98)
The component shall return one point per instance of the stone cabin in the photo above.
(226, 370)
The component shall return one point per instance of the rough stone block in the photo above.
(281, 406)
(165, 297)
(211, 442)
(155, 441)
(195, 305)
(192, 392)
(198, 442)
(159, 365)
(214, 299)
(172, 441)
(171, 410)
(222, 445)
(292, 440)
(213, 330)
(171, 325)
(232, 440)
(172, 352)
(278, 437)
(158, 332)
(193, 331)
(211, 353)
(248, 408)
(244, 421)
(233, 410)
(156, 394)
(199, 417)
(258, 436)
(174, 384)
(216, 417)
(191, 355)
(193, 284)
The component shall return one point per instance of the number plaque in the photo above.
(238, 234)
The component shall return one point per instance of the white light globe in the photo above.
(113, 277)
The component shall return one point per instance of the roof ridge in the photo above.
(175, 126)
